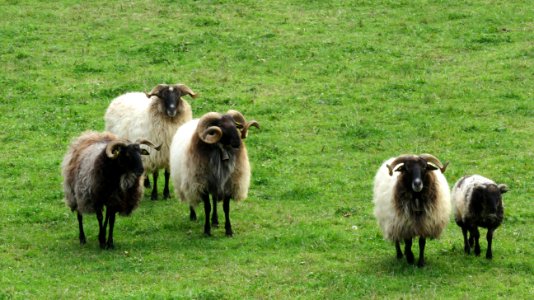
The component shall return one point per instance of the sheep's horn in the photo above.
(206, 130)
(244, 132)
(211, 135)
(241, 123)
(397, 161)
(184, 88)
(432, 159)
(148, 143)
(111, 147)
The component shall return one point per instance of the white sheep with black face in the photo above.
(101, 170)
(477, 202)
(208, 157)
(412, 198)
(156, 116)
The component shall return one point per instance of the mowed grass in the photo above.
(337, 86)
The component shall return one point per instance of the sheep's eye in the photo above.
(239, 126)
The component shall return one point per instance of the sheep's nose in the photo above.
(417, 185)
(171, 112)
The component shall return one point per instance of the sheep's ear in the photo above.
(156, 90)
(431, 167)
(144, 152)
(503, 188)
(400, 169)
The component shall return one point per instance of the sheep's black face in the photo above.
(414, 171)
(489, 199)
(129, 159)
(231, 135)
(170, 98)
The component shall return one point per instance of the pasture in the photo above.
(337, 86)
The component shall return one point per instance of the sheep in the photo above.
(208, 157)
(156, 116)
(411, 199)
(100, 169)
(477, 202)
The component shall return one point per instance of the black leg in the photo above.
(80, 227)
(408, 251)
(111, 216)
(476, 236)
(147, 182)
(422, 242)
(102, 236)
(214, 215)
(207, 210)
(489, 237)
(166, 193)
(154, 195)
(471, 238)
(398, 248)
(101, 228)
(192, 214)
(226, 208)
(467, 248)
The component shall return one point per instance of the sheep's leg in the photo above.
(80, 226)
(154, 195)
(408, 251)
(111, 216)
(226, 208)
(214, 215)
(147, 182)
(105, 226)
(467, 248)
(207, 210)
(192, 213)
(476, 235)
(166, 193)
(422, 243)
(471, 238)
(398, 248)
(489, 237)
(102, 228)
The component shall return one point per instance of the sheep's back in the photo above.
(134, 116)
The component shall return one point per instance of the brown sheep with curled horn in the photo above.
(101, 170)
(209, 158)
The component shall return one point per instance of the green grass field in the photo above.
(337, 86)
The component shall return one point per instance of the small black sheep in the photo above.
(477, 202)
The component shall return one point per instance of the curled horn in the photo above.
(112, 146)
(209, 134)
(432, 159)
(397, 161)
(185, 89)
(148, 143)
(156, 90)
(241, 123)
